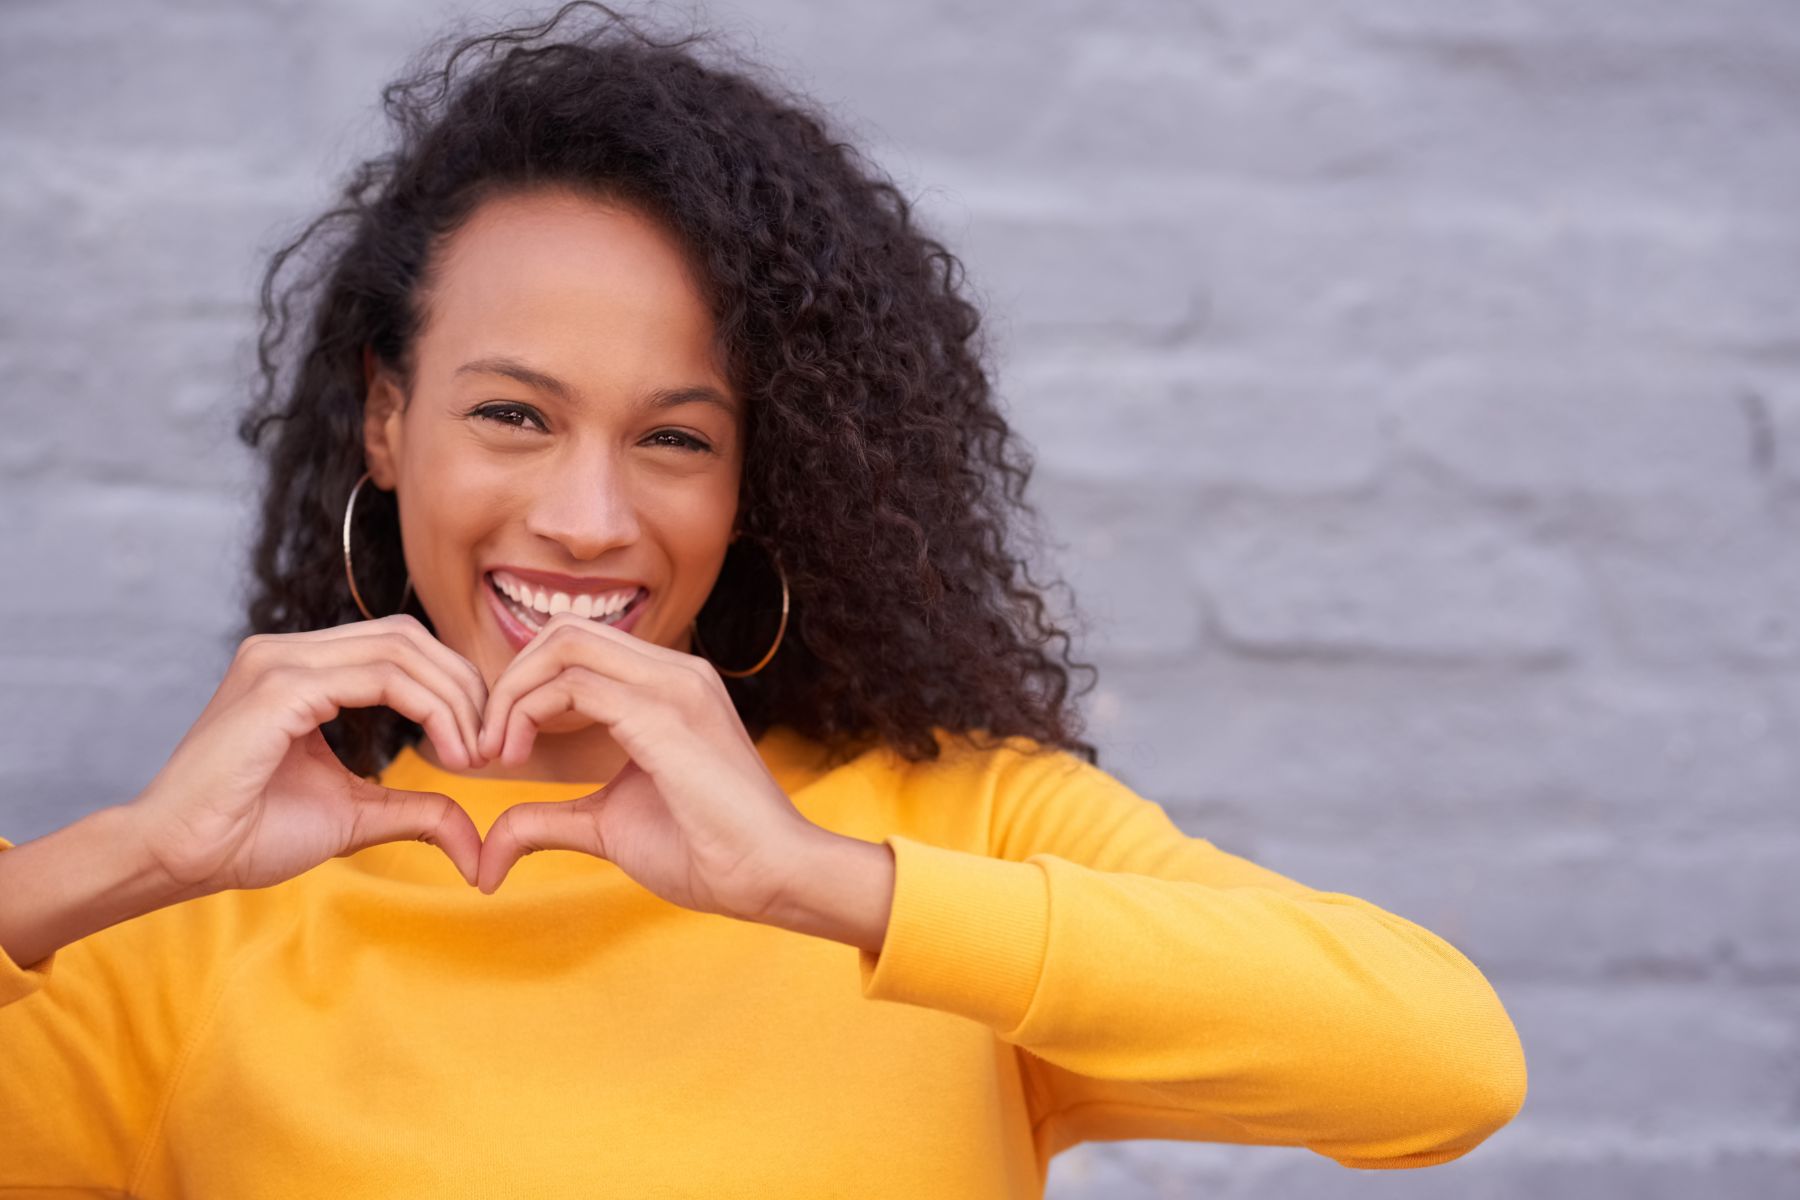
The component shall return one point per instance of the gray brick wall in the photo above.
(1416, 394)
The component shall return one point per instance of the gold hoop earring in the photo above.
(349, 574)
(780, 632)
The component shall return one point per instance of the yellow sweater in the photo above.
(1062, 963)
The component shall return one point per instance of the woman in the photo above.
(635, 491)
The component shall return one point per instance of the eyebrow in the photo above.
(661, 398)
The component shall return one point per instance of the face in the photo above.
(559, 430)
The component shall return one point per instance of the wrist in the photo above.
(838, 887)
(140, 875)
(92, 873)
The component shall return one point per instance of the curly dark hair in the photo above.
(876, 464)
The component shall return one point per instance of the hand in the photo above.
(694, 816)
(253, 795)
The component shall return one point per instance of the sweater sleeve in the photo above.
(1155, 986)
(89, 1039)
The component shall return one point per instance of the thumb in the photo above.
(385, 814)
(535, 825)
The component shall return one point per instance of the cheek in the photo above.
(441, 513)
(697, 531)
(451, 506)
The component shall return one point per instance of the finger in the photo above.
(574, 689)
(350, 646)
(405, 623)
(456, 669)
(461, 669)
(321, 691)
(566, 640)
(405, 640)
(386, 814)
(398, 647)
(534, 825)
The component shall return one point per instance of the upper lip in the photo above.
(574, 585)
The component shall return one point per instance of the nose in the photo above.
(585, 505)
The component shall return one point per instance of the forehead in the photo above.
(551, 273)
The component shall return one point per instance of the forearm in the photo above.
(77, 880)
(841, 888)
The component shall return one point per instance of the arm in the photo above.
(80, 879)
(1157, 986)
(845, 891)
(91, 1028)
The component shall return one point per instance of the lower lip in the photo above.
(518, 635)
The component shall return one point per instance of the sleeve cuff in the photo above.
(967, 934)
(16, 981)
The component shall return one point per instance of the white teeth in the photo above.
(536, 607)
(548, 601)
(529, 619)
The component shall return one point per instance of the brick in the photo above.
(1043, 277)
(1690, 581)
(1256, 427)
(1311, 749)
(1009, 64)
(1732, 1051)
(154, 75)
(1408, 282)
(1134, 599)
(1662, 910)
(1556, 428)
(118, 565)
(98, 241)
(1394, 577)
(1708, 1161)
(166, 394)
(1398, 101)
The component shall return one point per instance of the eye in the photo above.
(514, 416)
(685, 441)
(502, 413)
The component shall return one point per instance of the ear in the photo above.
(382, 408)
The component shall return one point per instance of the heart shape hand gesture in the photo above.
(694, 816)
(253, 795)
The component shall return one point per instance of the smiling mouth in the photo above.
(533, 618)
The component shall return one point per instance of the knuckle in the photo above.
(696, 686)
(394, 644)
(275, 680)
(254, 650)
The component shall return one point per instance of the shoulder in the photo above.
(1018, 768)
(999, 794)
(971, 762)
